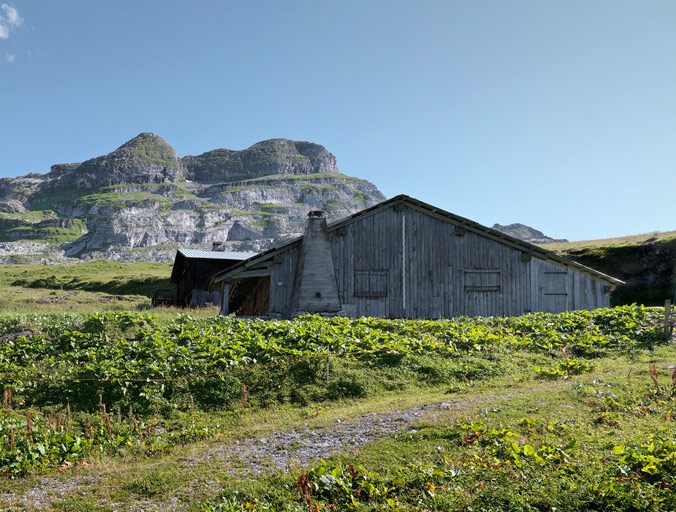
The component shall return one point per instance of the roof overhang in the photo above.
(183, 254)
(234, 272)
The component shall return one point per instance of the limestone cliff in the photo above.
(141, 201)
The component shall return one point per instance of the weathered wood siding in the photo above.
(200, 298)
(282, 276)
(557, 288)
(402, 261)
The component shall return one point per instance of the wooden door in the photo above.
(553, 289)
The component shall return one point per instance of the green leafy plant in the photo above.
(564, 369)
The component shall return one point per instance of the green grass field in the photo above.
(129, 410)
(90, 286)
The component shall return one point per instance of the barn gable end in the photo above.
(406, 259)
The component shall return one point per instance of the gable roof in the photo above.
(470, 225)
(197, 254)
(217, 255)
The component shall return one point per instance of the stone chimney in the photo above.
(315, 289)
(218, 246)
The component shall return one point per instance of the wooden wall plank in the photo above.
(426, 262)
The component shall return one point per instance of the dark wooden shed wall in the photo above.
(193, 283)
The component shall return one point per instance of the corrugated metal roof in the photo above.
(216, 255)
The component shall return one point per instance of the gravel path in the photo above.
(281, 450)
(299, 446)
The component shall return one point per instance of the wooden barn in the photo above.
(192, 271)
(404, 258)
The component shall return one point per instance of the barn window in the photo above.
(555, 282)
(483, 280)
(370, 283)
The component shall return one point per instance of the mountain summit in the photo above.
(147, 158)
(274, 156)
(525, 233)
(141, 201)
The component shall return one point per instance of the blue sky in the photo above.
(557, 114)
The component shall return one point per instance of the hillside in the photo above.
(647, 263)
(141, 200)
(131, 411)
(88, 286)
(630, 240)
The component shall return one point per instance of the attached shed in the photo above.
(404, 258)
(193, 269)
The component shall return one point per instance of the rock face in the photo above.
(275, 156)
(146, 158)
(12, 206)
(141, 201)
(525, 233)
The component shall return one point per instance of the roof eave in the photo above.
(523, 245)
(473, 226)
(174, 271)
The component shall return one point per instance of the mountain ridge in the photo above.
(141, 200)
(526, 233)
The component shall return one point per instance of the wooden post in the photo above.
(7, 398)
(668, 327)
(225, 298)
(245, 396)
(29, 427)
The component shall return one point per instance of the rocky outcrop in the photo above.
(146, 158)
(12, 206)
(525, 233)
(30, 252)
(141, 201)
(275, 156)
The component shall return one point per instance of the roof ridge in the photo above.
(485, 230)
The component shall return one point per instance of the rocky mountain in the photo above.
(141, 201)
(525, 233)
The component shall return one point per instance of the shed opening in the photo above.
(250, 297)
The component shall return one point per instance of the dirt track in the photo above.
(280, 450)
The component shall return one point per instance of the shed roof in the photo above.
(197, 254)
(216, 255)
(421, 205)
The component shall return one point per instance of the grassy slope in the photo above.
(488, 384)
(171, 480)
(584, 420)
(647, 264)
(90, 286)
(563, 247)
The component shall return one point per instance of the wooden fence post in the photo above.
(29, 426)
(668, 324)
(245, 396)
